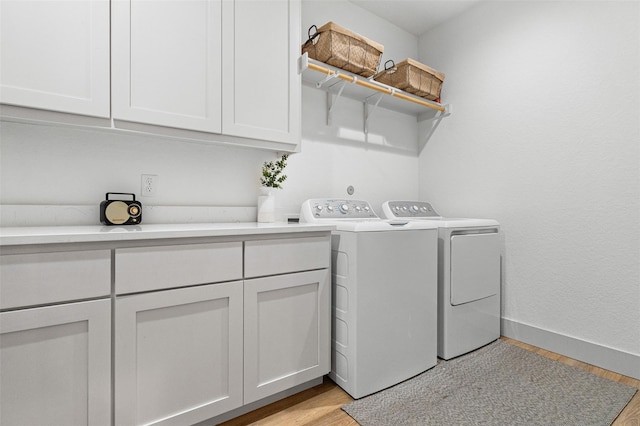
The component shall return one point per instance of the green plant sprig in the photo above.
(272, 176)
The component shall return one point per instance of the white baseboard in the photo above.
(601, 356)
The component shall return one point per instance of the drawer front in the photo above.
(34, 279)
(279, 256)
(152, 268)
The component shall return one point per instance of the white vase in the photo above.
(266, 206)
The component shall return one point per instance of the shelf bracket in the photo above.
(369, 108)
(331, 103)
(436, 120)
(328, 77)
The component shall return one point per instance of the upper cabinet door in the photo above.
(261, 94)
(55, 55)
(166, 63)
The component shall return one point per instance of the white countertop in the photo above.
(13, 236)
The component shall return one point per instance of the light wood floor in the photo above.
(320, 405)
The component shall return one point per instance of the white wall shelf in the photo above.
(337, 83)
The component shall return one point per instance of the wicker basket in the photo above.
(344, 49)
(413, 77)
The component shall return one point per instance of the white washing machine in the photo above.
(384, 295)
(468, 276)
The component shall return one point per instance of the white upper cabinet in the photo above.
(216, 66)
(218, 70)
(55, 55)
(261, 92)
(166, 63)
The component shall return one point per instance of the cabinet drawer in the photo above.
(33, 279)
(151, 268)
(278, 256)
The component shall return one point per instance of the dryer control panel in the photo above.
(331, 208)
(408, 209)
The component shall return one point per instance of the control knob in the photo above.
(344, 208)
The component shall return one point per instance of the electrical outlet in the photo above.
(149, 185)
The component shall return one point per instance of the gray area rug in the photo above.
(499, 384)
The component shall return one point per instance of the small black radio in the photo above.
(120, 212)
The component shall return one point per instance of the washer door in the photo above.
(475, 267)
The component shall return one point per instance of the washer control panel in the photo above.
(332, 208)
(397, 209)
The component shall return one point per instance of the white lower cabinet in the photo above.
(55, 364)
(160, 334)
(178, 354)
(259, 327)
(286, 332)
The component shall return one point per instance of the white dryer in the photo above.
(384, 295)
(468, 276)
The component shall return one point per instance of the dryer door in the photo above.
(475, 267)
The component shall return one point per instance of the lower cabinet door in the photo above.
(178, 354)
(286, 332)
(55, 365)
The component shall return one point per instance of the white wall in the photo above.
(49, 165)
(57, 165)
(545, 137)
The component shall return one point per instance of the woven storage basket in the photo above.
(344, 49)
(413, 77)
